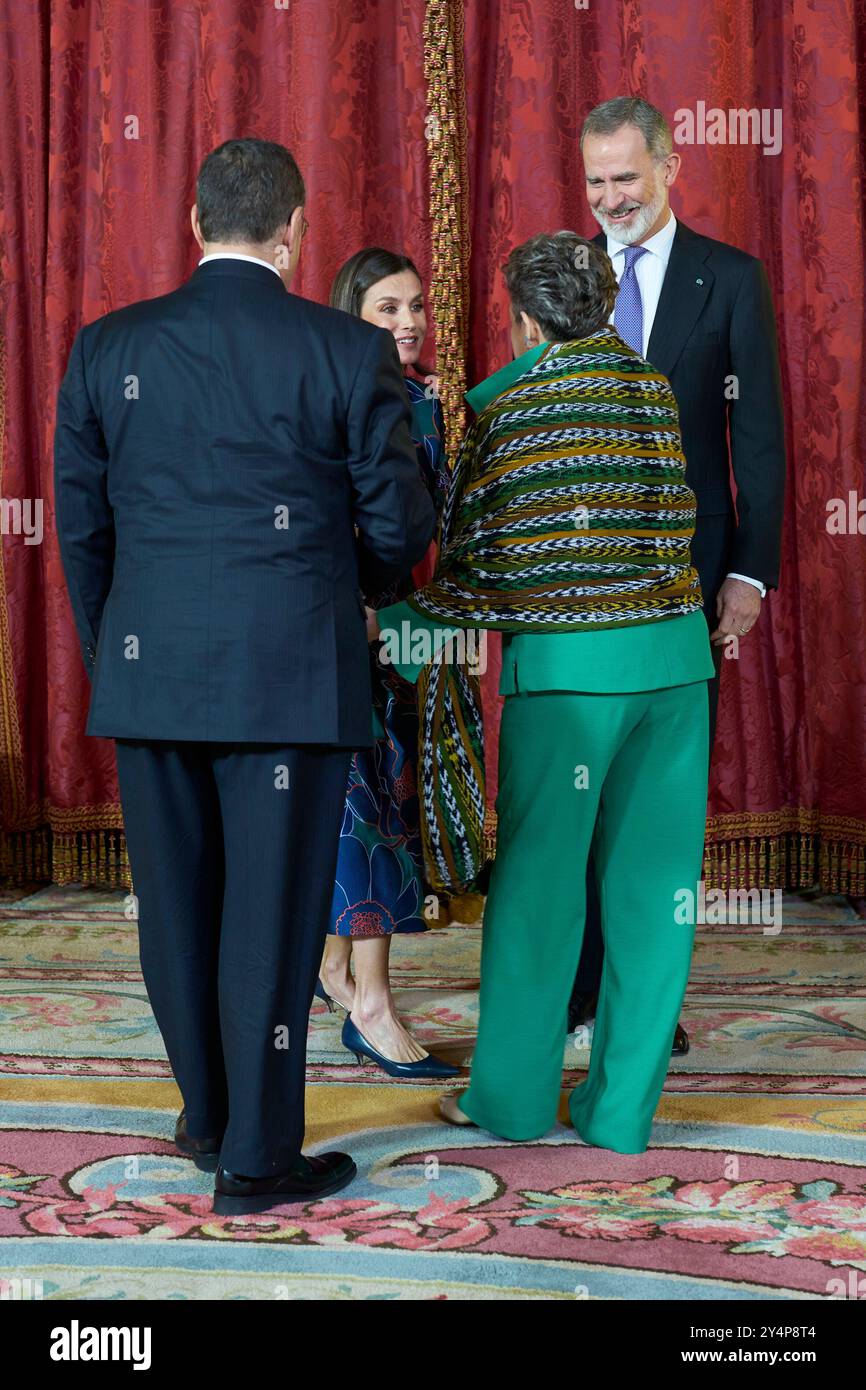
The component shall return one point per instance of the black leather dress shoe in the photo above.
(204, 1151)
(582, 1008)
(681, 1042)
(306, 1180)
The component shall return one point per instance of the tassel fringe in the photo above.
(94, 858)
(98, 859)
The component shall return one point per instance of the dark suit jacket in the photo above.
(715, 319)
(214, 448)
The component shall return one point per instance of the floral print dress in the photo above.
(379, 885)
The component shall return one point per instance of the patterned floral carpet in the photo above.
(753, 1186)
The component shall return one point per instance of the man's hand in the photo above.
(372, 624)
(738, 606)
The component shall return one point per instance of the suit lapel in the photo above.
(685, 289)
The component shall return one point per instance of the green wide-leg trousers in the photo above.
(630, 770)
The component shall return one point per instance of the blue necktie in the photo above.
(628, 313)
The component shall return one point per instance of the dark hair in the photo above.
(247, 191)
(566, 283)
(361, 272)
(612, 115)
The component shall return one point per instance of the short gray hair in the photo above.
(612, 115)
(564, 282)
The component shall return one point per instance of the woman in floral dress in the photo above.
(379, 887)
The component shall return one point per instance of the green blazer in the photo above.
(649, 656)
(645, 656)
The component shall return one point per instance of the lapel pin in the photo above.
(699, 282)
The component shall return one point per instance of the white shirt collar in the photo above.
(238, 256)
(658, 245)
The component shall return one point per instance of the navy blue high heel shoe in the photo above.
(321, 993)
(427, 1066)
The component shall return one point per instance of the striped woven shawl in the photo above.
(568, 511)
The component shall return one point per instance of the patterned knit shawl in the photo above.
(568, 511)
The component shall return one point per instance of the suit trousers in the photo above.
(644, 810)
(233, 849)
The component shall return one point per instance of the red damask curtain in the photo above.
(108, 106)
(788, 788)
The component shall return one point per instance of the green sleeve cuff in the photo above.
(409, 639)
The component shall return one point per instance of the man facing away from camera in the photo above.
(232, 465)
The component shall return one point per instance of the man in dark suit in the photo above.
(232, 463)
(701, 312)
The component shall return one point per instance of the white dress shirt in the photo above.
(238, 256)
(650, 273)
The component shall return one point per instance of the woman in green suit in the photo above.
(568, 528)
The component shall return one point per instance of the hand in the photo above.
(738, 606)
(372, 624)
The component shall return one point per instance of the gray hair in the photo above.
(612, 115)
(564, 282)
